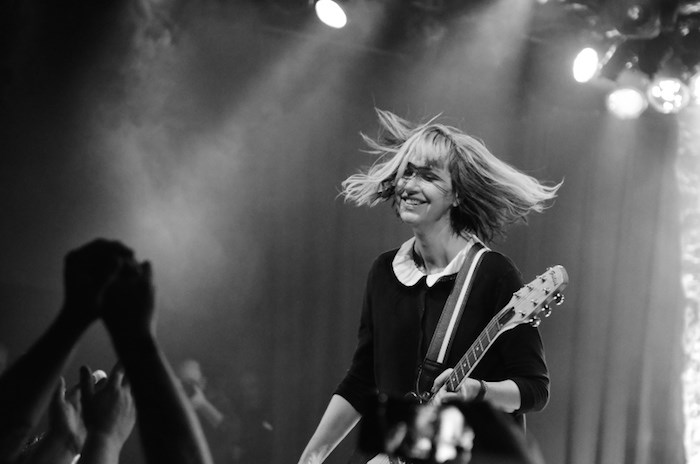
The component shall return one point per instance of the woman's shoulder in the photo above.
(381, 271)
(385, 259)
(496, 258)
(496, 263)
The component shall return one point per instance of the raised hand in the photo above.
(108, 407)
(66, 433)
(128, 308)
(65, 417)
(109, 413)
(88, 272)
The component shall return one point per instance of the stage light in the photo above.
(586, 65)
(626, 103)
(331, 13)
(668, 95)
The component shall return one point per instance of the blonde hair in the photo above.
(491, 194)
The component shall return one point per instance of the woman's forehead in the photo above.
(424, 158)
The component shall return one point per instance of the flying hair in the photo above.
(491, 193)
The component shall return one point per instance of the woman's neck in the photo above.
(437, 250)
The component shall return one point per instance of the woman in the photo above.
(453, 193)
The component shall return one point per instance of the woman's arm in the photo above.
(338, 420)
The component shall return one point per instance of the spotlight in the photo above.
(586, 65)
(626, 103)
(331, 13)
(668, 95)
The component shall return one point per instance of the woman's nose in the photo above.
(408, 181)
(411, 182)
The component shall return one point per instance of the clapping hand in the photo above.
(88, 272)
(128, 308)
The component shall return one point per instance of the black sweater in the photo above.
(397, 324)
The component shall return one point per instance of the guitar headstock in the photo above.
(533, 300)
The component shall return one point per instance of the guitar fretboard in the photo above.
(476, 351)
(524, 307)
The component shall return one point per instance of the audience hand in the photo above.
(66, 432)
(65, 417)
(88, 272)
(129, 308)
(108, 407)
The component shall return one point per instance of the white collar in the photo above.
(409, 274)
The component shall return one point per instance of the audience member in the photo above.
(90, 421)
(211, 401)
(27, 386)
(101, 280)
(237, 426)
(65, 435)
(194, 383)
(170, 430)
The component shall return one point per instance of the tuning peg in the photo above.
(535, 321)
(547, 310)
(559, 298)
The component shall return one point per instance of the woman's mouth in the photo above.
(411, 201)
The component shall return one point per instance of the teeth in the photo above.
(411, 201)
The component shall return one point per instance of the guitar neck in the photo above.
(476, 351)
(524, 307)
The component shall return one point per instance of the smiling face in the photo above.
(424, 194)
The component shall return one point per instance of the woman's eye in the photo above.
(428, 176)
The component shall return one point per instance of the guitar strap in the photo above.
(441, 341)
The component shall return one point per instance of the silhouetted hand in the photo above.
(65, 417)
(128, 308)
(108, 407)
(66, 434)
(88, 271)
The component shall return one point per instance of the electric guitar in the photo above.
(527, 306)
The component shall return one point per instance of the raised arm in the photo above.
(170, 431)
(26, 388)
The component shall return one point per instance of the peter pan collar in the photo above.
(410, 274)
